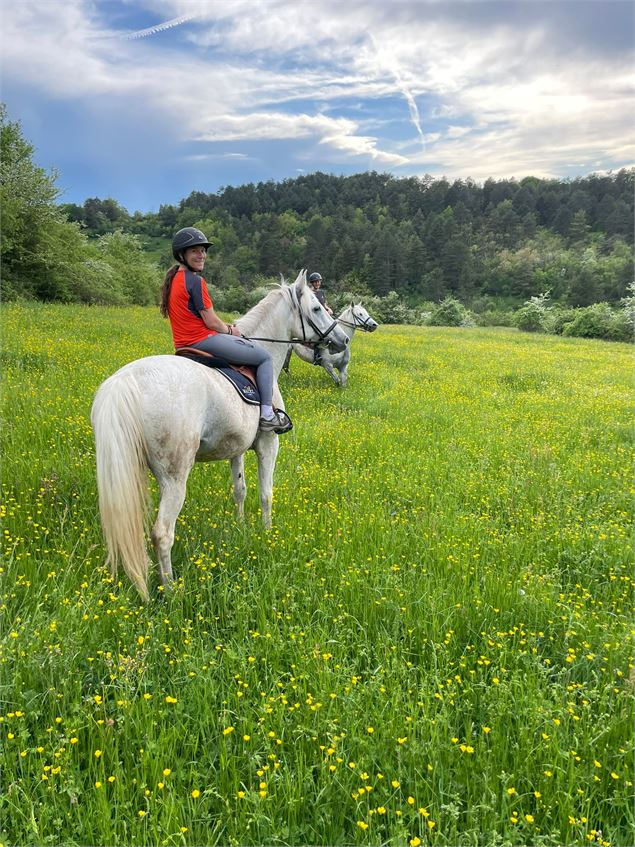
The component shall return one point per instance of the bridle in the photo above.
(358, 322)
(322, 334)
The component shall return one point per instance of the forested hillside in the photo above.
(421, 240)
(424, 238)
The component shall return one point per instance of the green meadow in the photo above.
(432, 646)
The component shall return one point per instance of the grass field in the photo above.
(433, 645)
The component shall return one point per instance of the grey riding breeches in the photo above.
(240, 351)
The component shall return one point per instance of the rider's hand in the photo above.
(235, 330)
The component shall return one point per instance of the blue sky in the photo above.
(149, 100)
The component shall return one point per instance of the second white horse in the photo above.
(353, 317)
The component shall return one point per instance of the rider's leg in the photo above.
(240, 351)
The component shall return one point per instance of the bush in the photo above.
(600, 321)
(386, 310)
(530, 318)
(534, 315)
(257, 294)
(560, 318)
(627, 310)
(450, 312)
(233, 299)
(99, 283)
(496, 317)
(390, 310)
(622, 329)
(121, 252)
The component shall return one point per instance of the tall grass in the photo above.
(431, 646)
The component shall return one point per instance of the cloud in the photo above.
(338, 133)
(466, 87)
(207, 157)
(365, 146)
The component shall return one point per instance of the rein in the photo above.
(295, 302)
(280, 340)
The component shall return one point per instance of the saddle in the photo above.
(242, 377)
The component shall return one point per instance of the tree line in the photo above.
(371, 234)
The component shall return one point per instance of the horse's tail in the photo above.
(121, 476)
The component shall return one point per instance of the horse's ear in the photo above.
(300, 281)
(352, 304)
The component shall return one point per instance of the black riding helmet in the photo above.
(188, 237)
(315, 276)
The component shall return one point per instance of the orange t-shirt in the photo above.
(188, 297)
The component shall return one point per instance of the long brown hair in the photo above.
(165, 289)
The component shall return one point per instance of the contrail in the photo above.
(412, 106)
(152, 30)
(410, 100)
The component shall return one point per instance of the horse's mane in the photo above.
(254, 318)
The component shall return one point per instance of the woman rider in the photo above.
(186, 302)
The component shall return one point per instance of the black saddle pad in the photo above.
(245, 387)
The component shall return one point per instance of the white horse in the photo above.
(166, 412)
(353, 317)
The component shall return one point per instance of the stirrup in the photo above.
(279, 423)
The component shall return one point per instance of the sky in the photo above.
(146, 101)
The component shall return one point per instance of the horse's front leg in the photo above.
(342, 366)
(328, 367)
(266, 448)
(240, 486)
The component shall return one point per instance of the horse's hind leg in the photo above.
(240, 486)
(266, 448)
(172, 490)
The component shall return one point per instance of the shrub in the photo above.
(257, 294)
(391, 310)
(234, 299)
(121, 251)
(530, 318)
(599, 321)
(627, 310)
(449, 312)
(99, 283)
(622, 329)
(496, 317)
(534, 315)
(387, 310)
(560, 318)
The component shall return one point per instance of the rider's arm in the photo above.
(213, 322)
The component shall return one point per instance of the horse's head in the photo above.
(313, 322)
(359, 318)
